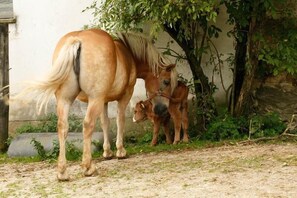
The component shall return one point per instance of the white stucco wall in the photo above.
(40, 24)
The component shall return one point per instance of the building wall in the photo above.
(39, 26)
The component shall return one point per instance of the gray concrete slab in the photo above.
(21, 145)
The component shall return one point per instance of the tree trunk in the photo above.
(239, 67)
(243, 104)
(4, 81)
(194, 62)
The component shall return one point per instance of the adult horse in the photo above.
(92, 66)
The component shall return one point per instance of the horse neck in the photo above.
(142, 70)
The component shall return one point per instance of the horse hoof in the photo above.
(121, 154)
(63, 177)
(107, 155)
(92, 171)
(107, 158)
(169, 142)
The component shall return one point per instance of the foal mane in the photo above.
(143, 49)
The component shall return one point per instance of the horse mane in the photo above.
(144, 50)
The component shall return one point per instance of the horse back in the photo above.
(106, 70)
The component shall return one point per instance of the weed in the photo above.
(72, 152)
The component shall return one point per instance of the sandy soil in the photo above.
(228, 171)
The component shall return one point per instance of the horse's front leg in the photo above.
(122, 104)
(107, 154)
(121, 151)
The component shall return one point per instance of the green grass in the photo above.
(132, 149)
(5, 159)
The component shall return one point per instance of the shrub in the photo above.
(267, 125)
(223, 127)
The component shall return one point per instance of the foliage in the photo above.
(226, 127)
(268, 125)
(72, 152)
(118, 15)
(49, 124)
(279, 45)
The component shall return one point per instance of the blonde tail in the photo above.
(61, 69)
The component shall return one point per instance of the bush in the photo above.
(226, 127)
(267, 125)
(223, 127)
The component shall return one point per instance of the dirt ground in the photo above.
(227, 171)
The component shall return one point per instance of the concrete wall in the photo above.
(39, 26)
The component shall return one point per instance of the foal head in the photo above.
(159, 89)
(141, 111)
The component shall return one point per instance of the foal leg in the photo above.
(185, 122)
(95, 107)
(176, 117)
(166, 124)
(156, 131)
(107, 154)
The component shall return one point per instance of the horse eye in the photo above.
(166, 82)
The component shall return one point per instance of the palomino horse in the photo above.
(93, 67)
(178, 106)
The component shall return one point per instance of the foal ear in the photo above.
(169, 68)
(142, 105)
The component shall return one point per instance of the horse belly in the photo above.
(125, 77)
(120, 85)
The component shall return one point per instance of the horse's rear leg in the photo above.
(95, 107)
(107, 154)
(62, 111)
(65, 97)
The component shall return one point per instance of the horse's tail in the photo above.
(62, 66)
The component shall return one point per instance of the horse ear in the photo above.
(170, 67)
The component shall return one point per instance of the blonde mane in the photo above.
(144, 50)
